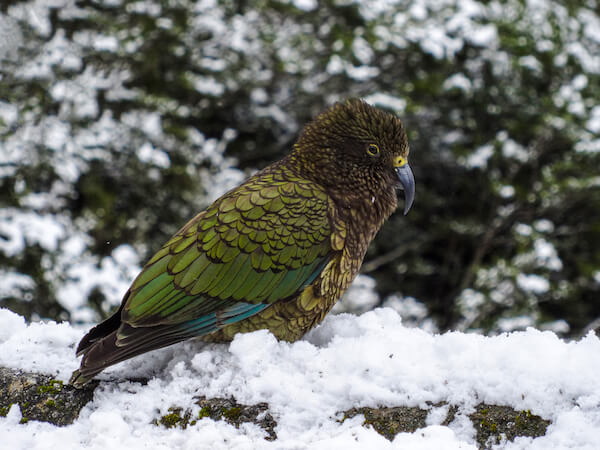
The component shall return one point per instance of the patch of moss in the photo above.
(490, 426)
(41, 397)
(4, 410)
(204, 412)
(505, 423)
(170, 420)
(232, 413)
(53, 387)
(390, 421)
(493, 423)
(221, 409)
(174, 419)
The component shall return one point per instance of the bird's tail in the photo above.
(99, 340)
(112, 341)
(78, 380)
(95, 346)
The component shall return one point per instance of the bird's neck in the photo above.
(366, 210)
(365, 204)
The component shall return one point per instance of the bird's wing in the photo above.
(260, 243)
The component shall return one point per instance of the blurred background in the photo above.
(120, 120)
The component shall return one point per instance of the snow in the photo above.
(546, 255)
(544, 226)
(480, 157)
(348, 361)
(149, 154)
(458, 81)
(112, 276)
(305, 5)
(543, 254)
(15, 284)
(10, 37)
(506, 191)
(413, 312)
(533, 283)
(383, 100)
(362, 50)
(523, 229)
(511, 149)
(337, 65)
(531, 62)
(206, 85)
(359, 298)
(19, 228)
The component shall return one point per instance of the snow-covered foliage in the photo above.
(348, 361)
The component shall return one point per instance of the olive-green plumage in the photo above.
(276, 252)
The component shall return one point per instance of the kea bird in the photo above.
(274, 253)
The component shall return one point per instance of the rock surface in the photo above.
(40, 397)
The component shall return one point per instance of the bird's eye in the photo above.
(373, 150)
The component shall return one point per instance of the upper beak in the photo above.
(407, 180)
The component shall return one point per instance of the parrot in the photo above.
(275, 252)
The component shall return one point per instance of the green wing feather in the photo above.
(261, 243)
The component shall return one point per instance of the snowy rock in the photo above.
(371, 361)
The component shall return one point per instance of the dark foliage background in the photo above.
(120, 119)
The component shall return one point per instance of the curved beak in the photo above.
(407, 180)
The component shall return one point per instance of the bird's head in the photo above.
(357, 150)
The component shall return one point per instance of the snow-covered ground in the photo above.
(367, 360)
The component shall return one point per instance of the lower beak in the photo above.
(407, 180)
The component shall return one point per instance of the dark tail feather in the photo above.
(96, 350)
(100, 331)
(102, 352)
